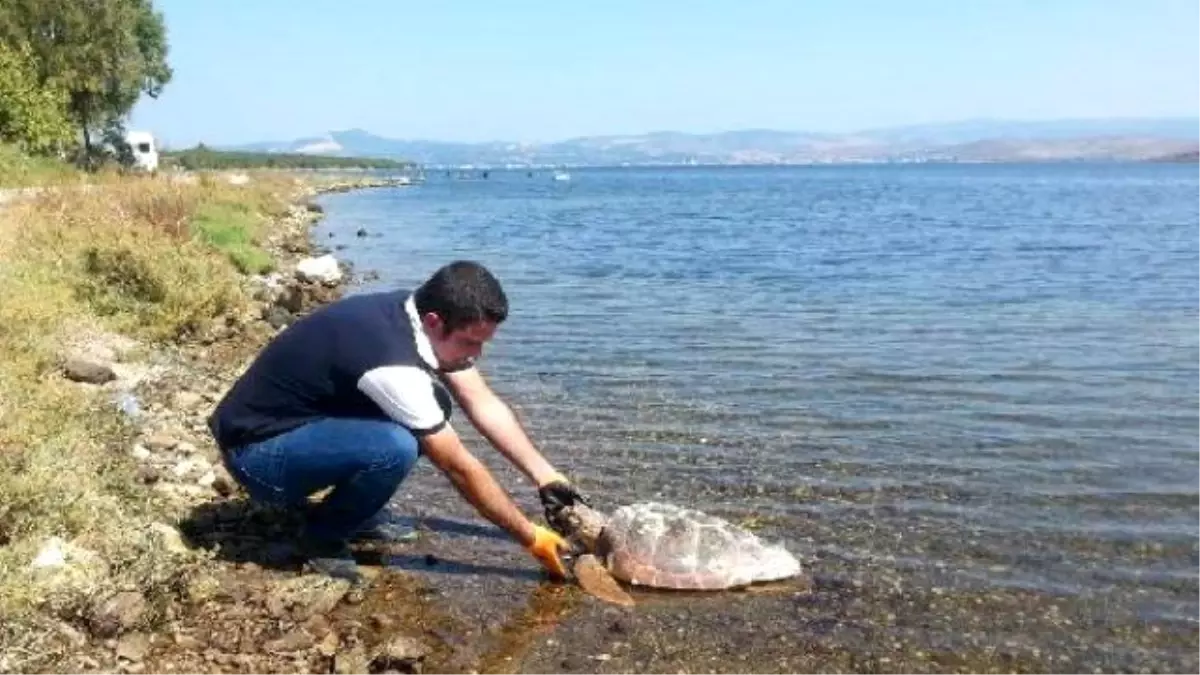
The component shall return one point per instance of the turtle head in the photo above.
(581, 524)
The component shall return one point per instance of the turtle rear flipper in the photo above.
(594, 578)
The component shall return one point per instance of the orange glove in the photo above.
(546, 547)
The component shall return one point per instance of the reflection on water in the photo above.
(973, 378)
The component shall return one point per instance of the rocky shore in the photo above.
(246, 604)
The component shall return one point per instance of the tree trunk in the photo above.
(84, 121)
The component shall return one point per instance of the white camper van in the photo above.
(145, 150)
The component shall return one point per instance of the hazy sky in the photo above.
(248, 70)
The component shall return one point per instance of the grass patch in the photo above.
(143, 256)
(231, 227)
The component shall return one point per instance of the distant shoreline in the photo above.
(1187, 158)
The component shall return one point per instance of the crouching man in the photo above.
(350, 397)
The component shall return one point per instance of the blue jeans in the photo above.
(363, 460)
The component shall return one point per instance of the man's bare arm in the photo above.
(473, 480)
(496, 421)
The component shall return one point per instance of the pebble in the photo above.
(133, 647)
(160, 443)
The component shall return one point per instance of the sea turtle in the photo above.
(665, 546)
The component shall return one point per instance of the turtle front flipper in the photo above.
(594, 578)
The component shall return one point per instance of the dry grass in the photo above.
(125, 255)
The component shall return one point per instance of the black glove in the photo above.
(556, 496)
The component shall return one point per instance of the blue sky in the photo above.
(472, 70)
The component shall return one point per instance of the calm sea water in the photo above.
(969, 375)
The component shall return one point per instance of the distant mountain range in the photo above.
(1167, 139)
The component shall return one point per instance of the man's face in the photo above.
(459, 347)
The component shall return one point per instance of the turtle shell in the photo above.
(667, 546)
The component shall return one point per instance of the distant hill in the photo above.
(1191, 156)
(969, 141)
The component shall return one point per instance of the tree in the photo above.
(33, 115)
(106, 53)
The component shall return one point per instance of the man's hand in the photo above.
(547, 547)
(557, 494)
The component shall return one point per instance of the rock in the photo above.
(201, 589)
(353, 660)
(322, 295)
(328, 645)
(277, 316)
(140, 452)
(160, 443)
(294, 641)
(56, 554)
(52, 554)
(189, 642)
(183, 468)
(324, 269)
(362, 232)
(147, 474)
(185, 448)
(382, 622)
(91, 372)
(208, 479)
(133, 647)
(402, 654)
(117, 614)
(186, 400)
(317, 626)
(306, 596)
(291, 298)
(297, 245)
(222, 482)
(171, 538)
(73, 636)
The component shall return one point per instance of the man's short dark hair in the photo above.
(462, 293)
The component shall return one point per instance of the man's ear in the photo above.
(433, 323)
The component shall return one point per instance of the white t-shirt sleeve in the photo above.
(406, 394)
